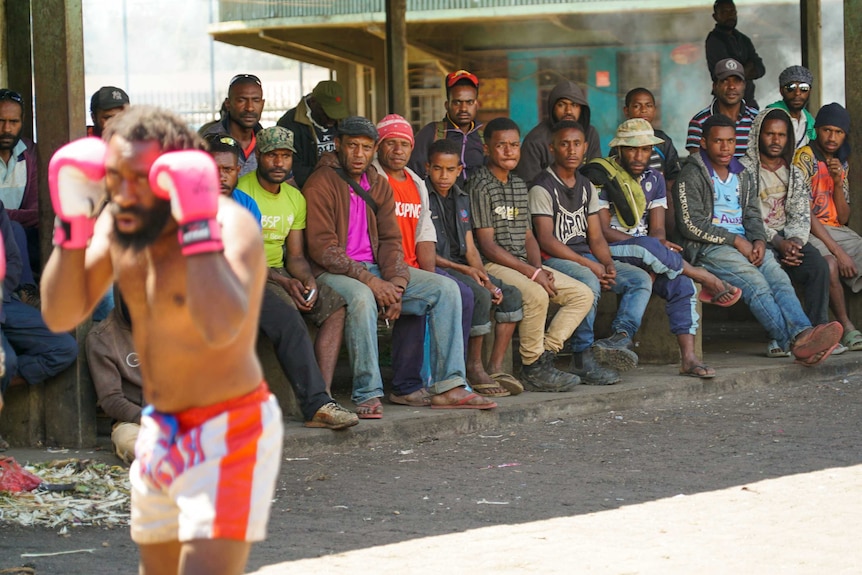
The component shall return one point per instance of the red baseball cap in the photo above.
(455, 77)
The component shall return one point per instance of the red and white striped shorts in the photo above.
(208, 472)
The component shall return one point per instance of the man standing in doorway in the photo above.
(725, 41)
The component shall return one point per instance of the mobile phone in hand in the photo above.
(308, 296)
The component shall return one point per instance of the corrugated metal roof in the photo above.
(234, 10)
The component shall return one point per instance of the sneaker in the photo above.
(333, 416)
(614, 352)
(584, 365)
(541, 375)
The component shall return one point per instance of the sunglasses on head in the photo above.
(222, 139)
(6, 94)
(240, 77)
(801, 86)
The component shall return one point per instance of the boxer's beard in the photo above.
(152, 223)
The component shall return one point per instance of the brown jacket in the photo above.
(114, 366)
(328, 199)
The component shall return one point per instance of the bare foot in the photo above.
(371, 409)
(712, 284)
(482, 384)
(418, 398)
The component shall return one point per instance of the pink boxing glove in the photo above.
(76, 179)
(190, 179)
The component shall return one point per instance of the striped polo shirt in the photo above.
(743, 127)
(503, 207)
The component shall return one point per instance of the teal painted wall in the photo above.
(678, 101)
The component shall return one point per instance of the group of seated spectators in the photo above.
(465, 230)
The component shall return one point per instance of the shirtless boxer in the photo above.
(208, 452)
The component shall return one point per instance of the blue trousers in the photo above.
(409, 343)
(32, 350)
(676, 289)
(632, 284)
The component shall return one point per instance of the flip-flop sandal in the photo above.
(774, 350)
(852, 340)
(694, 370)
(421, 400)
(816, 339)
(508, 382)
(707, 297)
(483, 389)
(817, 358)
(463, 403)
(371, 409)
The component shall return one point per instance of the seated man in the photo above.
(33, 352)
(636, 234)
(313, 122)
(824, 166)
(19, 187)
(565, 209)
(456, 253)
(503, 230)
(566, 101)
(419, 240)
(640, 103)
(718, 215)
(785, 206)
(116, 371)
(355, 245)
(280, 321)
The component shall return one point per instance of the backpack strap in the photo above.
(623, 191)
(358, 190)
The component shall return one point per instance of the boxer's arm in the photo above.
(79, 270)
(225, 288)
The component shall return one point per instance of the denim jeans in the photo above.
(632, 283)
(426, 294)
(32, 350)
(766, 290)
(409, 342)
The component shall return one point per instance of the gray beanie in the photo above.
(795, 74)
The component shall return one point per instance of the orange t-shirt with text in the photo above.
(407, 208)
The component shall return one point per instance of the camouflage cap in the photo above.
(275, 138)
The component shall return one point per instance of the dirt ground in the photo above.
(520, 476)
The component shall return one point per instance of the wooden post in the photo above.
(853, 99)
(18, 69)
(58, 76)
(812, 48)
(396, 57)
